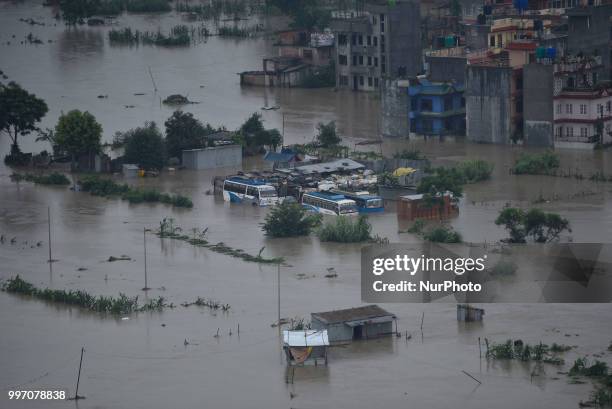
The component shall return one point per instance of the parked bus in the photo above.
(238, 190)
(366, 203)
(328, 203)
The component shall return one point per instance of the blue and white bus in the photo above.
(329, 203)
(238, 190)
(366, 203)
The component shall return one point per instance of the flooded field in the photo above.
(172, 358)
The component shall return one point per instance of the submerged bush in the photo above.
(290, 220)
(107, 188)
(54, 178)
(581, 367)
(475, 170)
(442, 234)
(536, 164)
(346, 229)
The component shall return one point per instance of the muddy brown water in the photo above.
(142, 362)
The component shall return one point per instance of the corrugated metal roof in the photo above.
(364, 314)
(307, 338)
(329, 167)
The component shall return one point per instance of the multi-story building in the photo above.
(436, 108)
(382, 40)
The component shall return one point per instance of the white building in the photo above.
(580, 116)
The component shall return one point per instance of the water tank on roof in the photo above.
(540, 52)
(449, 41)
(551, 52)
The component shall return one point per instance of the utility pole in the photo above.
(76, 394)
(49, 229)
(144, 242)
(279, 291)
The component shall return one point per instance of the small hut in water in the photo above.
(307, 346)
(466, 312)
(369, 321)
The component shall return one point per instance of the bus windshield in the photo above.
(347, 208)
(267, 193)
(375, 203)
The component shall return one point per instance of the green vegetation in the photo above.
(20, 112)
(78, 133)
(410, 154)
(523, 352)
(235, 31)
(536, 224)
(475, 170)
(321, 77)
(216, 8)
(53, 178)
(168, 230)
(327, 137)
(581, 367)
(144, 146)
(107, 188)
(306, 14)
(346, 229)
(536, 164)
(147, 6)
(442, 180)
(203, 302)
(290, 220)
(75, 11)
(111, 305)
(254, 137)
(180, 35)
(184, 131)
(442, 234)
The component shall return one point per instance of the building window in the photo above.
(600, 109)
(583, 109)
(354, 60)
(427, 125)
(426, 105)
(568, 108)
(382, 43)
(369, 61)
(559, 132)
(354, 39)
(569, 131)
(492, 41)
(383, 67)
(376, 61)
(342, 40)
(382, 27)
(448, 103)
(375, 82)
(369, 81)
(584, 132)
(375, 40)
(361, 80)
(559, 110)
(342, 59)
(608, 106)
(360, 39)
(374, 21)
(382, 18)
(414, 103)
(361, 60)
(369, 40)
(343, 80)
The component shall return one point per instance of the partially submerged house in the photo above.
(307, 346)
(365, 322)
(213, 157)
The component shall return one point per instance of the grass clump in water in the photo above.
(518, 350)
(54, 178)
(111, 305)
(345, 229)
(581, 367)
(107, 188)
(537, 164)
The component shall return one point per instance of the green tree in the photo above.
(20, 111)
(144, 146)
(441, 181)
(184, 131)
(305, 14)
(75, 10)
(268, 137)
(78, 133)
(289, 220)
(442, 234)
(536, 224)
(251, 127)
(327, 136)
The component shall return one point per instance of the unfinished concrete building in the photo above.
(382, 40)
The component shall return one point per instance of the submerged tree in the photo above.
(20, 111)
(184, 131)
(536, 224)
(327, 135)
(78, 133)
(289, 220)
(144, 146)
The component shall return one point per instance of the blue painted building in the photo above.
(436, 108)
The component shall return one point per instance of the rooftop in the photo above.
(350, 315)
(329, 167)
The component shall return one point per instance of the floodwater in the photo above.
(143, 362)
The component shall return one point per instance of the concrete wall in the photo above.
(538, 105)
(404, 38)
(335, 332)
(446, 69)
(488, 104)
(209, 158)
(394, 108)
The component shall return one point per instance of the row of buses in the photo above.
(258, 193)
